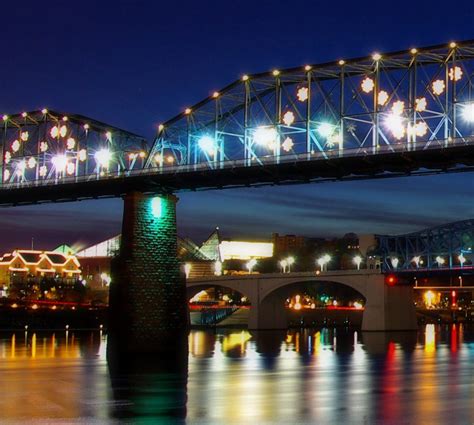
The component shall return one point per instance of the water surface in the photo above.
(311, 376)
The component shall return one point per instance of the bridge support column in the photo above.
(389, 308)
(268, 314)
(148, 295)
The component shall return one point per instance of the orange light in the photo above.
(391, 280)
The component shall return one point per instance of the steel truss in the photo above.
(446, 246)
(408, 101)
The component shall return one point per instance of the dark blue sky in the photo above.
(135, 64)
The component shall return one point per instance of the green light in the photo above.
(157, 207)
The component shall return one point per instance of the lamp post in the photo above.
(290, 261)
(251, 264)
(357, 261)
(283, 264)
(462, 259)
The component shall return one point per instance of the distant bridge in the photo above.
(387, 307)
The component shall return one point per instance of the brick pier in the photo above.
(148, 294)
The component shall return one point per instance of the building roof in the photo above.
(33, 257)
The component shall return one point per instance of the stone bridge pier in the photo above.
(387, 308)
(148, 305)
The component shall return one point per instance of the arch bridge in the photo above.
(387, 307)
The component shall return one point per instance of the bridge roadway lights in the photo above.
(387, 308)
(148, 309)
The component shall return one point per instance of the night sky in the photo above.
(135, 64)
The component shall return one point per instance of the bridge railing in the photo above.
(442, 145)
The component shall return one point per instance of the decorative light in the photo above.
(455, 74)
(187, 111)
(302, 94)
(5, 117)
(265, 136)
(468, 112)
(44, 111)
(24, 114)
(342, 62)
(218, 268)
(245, 77)
(325, 129)
(86, 126)
(287, 144)
(440, 260)
(132, 156)
(161, 127)
(159, 159)
(71, 142)
(82, 155)
(215, 95)
(108, 135)
(420, 104)
(65, 118)
(59, 162)
(187, 269)
(438, 87)
(394, 123)
(70, 168)
(24, 136)
(308, 68)
(276, 72)
(461, 259)
(421, 128)
(6, 174)
(8, 157)
(170, 159)
(416, 260)
(452, 45)
(31, 162)
(251, 264)
(103, 157)
(63, 131)
(207, 144)
(394, 262)
(357, 261)
(43, 170)
(398, 107)
(142, 154)
(289, 118)
(334, 139)
(20, 167)
(43, 146)
(382, 98)
(376, 56)
(54, 132)
(15, 146)
(367, 85)
(413, 51)
(283, 264)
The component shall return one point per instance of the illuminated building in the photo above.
(25, 264)
(287, 243)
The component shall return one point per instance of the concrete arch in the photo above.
(386, 308)
(193, 289)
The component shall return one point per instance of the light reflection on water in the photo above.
(322, 376)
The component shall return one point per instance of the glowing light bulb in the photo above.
(308, 68)
(187, 111)
(420, 104)
(16, 146)
(24, 136)
(438, 87)
(71, 142)
(276, 72)
(8, 157)
(6, 174)
(63, 131)
(5, 117)
(43, 170)
(103, 157)
(367, 85)
(382, 98)
(44, 111)
(207, 144)
(24, 114)
(245, 77)
(302, 94)
(468, 112)
(59, 162)
(455, 74)
(86, 126)
(215, 94)
(82, 155)
(376, 56)
(325, 129)
(265, 136)
(342, 62)
(289, 118)
(287, 144)
(31, 162)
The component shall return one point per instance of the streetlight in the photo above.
(394, 262)
(462, 259)
(283, 264)
(218, 268)
(290, 261)
(187, 269)
(357, 260)
(251, 264)
(416, 260)
(323, 261)
(440, 260)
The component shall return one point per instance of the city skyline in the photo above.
(170, 57)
